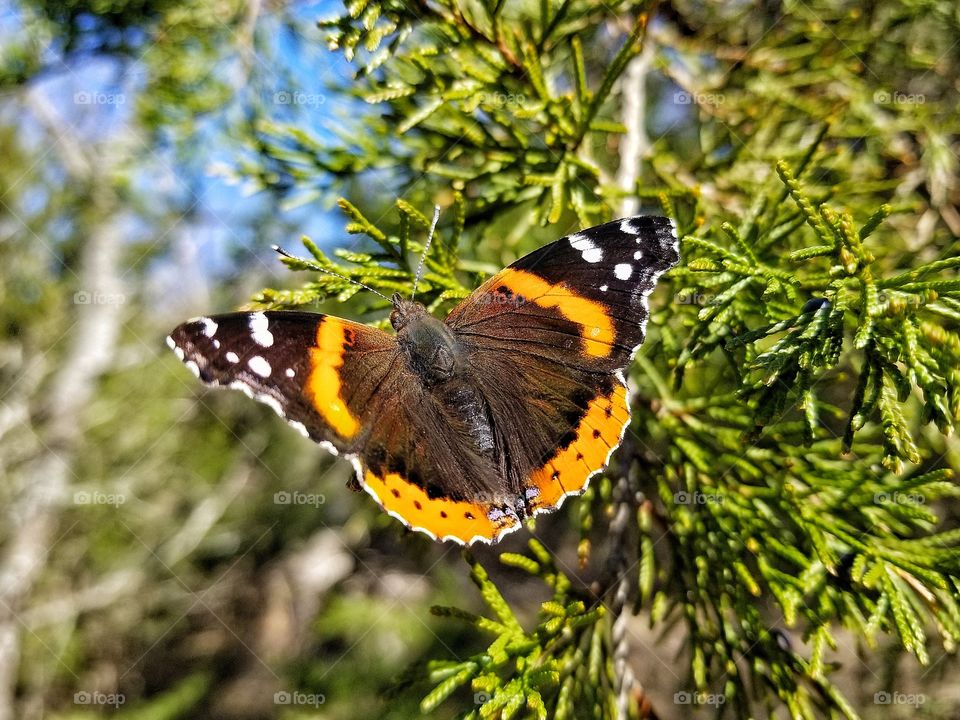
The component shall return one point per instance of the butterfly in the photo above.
(462, 428)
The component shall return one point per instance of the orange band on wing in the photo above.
(596, 325)
(441, 517)
(598, 432)
(323, 386)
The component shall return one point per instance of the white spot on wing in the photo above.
(216, 344)
(604, 288)
(626, 226)
(299, 427)
(638, 255)
(623, 271)
(260, 366)
(588, 251)
(259, 329)
(290, 372)
(193, 367)
(232, 357)
(332, 449)
(651, 282)
(209, 326)
(178, 351)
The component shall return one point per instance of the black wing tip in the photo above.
(633, 225)
(192, 342)
(648, 221)
(655, 234)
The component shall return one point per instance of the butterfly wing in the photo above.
(318, 372)
(548, 339)
(346, 386)
(423, 465)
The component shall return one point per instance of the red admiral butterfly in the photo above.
(461, 428)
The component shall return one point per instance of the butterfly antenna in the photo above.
(319, 268)
(426, 249)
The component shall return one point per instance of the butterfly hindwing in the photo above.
(423, 465)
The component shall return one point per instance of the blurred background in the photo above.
(171, 552)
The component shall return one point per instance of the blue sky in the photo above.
(95, 96)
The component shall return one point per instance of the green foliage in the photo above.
(788, 483)
(177, 43)
(476, 103)
(338, 280)
(892, 323)
(556, 671)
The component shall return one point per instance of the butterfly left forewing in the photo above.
(582, 298)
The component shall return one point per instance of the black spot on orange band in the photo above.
(591, 442)
(323, 386)
(440, 517)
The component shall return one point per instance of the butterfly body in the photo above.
(462, 427)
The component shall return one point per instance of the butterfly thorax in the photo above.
(436, 357)
(430, 346)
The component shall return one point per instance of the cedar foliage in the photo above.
(789, 460)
